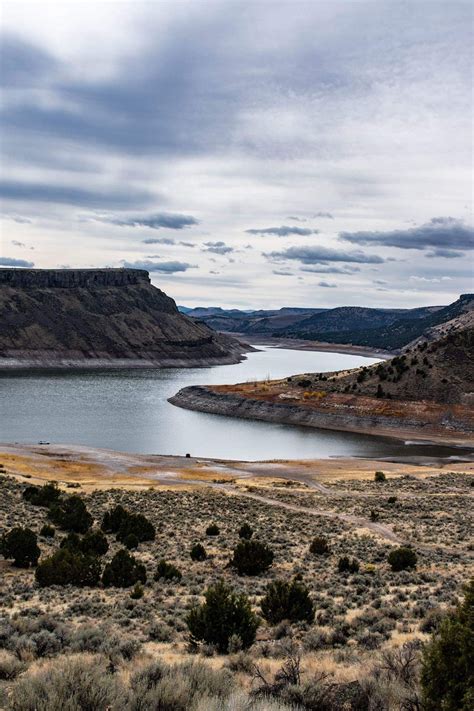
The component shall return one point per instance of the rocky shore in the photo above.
(421, 421)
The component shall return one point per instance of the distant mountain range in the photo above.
(390, 329)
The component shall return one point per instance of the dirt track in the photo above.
(101, 469)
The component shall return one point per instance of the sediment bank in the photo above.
(420, 421)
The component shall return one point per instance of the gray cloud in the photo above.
(22, 245)
(9, 262)
(324, 255)
(283, 231)
(327, 285)
(282, 272)
(324, 214)
(19, 219)
(22, 63)
(40, 192)
(155, 222)
(441, 233)
(158, 240)
(217, 247)
(162, 267)
(446, 253)
(331, 270)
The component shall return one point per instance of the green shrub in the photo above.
(124, 524)
(137, 592)
(305, 383)
(72, 541)
(47, 531)
(391, 499)
(131, 542)
(95, 543)
(123, 571)
(347, 565)
(287, 601)
(198, 552)
(402, 558)
(251, 557)
(447, 675)
(20, 544)
(213, 530)
(167, 571)
(223, 615)
(113, 519)
(380, 477)
(246, 531)
(319, 546)
(71, 514)
(138, 525)
(68, 567)
(42, 495)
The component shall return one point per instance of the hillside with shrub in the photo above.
(397, 332)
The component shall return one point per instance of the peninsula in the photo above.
(424, 394)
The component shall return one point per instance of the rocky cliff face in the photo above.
(69, 278)
(87, 317)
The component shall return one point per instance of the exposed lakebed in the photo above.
(127, 410)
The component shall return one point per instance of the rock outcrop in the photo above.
(449, 424)
(100, 317)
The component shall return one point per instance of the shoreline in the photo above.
(91, 468)
(337, 416)
(11, 365)
(296, 344)
(47, 362)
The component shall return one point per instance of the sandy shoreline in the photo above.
(89, 468)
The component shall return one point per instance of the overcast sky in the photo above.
(249, 154)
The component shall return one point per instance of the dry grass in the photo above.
(357, 615)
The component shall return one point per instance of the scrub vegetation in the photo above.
(231, 602)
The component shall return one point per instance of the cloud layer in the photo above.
(155, 222)
(130, 124)
(159, 267)
(324, 255)
(283, 231)
(444, 234)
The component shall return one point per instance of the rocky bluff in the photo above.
(96, 317)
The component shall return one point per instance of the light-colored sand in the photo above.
(102, 468)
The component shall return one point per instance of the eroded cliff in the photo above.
(95, 317)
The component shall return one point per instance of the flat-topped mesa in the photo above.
(71, 278)
(94, 317)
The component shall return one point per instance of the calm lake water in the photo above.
(128, 410)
